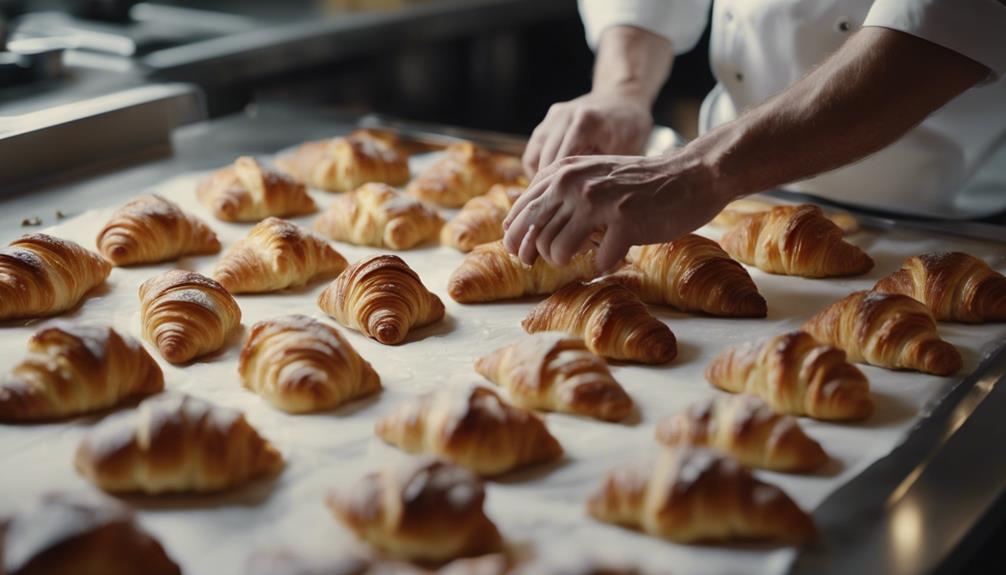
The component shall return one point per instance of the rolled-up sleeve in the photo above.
(974, 28)
(680, 21)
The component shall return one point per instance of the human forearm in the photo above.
(632, 62)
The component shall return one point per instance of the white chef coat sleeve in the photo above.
(974, 28)
(680, 21)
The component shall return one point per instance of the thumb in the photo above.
(613, 248)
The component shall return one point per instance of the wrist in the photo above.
(722, 168)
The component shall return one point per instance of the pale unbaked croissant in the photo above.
(694, 495)
(247, 191)
(692, 274)
(796, 375)
(889, 330)
(425, 510)
(186, 314)
(41, 275)
(747, 428)
(554, 372)
(151, 229)
(299, 365)
(175, 443)
(612, 321)
(381, 216)
(465, 171)
(275, 255)
(797, 241)
(480, 220)
(346, 163)
(953, 285)
(491, 273)
(476, 430)
(381, 297)
(72, 369)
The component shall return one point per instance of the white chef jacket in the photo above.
(952, 165)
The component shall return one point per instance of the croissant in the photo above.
(889, 330)
(381, 297)
(692, 274)
(797, 241)
(480, 220)
(423, 511)
(736, 211)
(465, 171)
(246, 191)
(275, 255)
(692, 495)
(744, 427)
(491, 273)
(796, 375)
(554, 372)
(41, 275)
(475, 430)
(612, 321)
(381, 216)
(301, 365)
(344, 164)
(175, 443)
(186, 314)
(150, 229)
(953, 285)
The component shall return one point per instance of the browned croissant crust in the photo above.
(72, 369)
(693, 495)
(381, 297)
(889, 330)
(275, 255)
(80, 533)
(186, 314)
(41, 275)
(736, 211)
(480, 220)
(554, 372)
(746, 428)
(692, 274)
(381, 216)
(175, 443)
(797, 241)
(953, 285)
(465, 171)
(426, 510)
(612, 321)
(491, 273)
(796, 375)
(476, 430)
(151, 229)
(247, 191)
(344, 164)
(301, 365)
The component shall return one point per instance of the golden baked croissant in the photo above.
(175, 443)
(381, 216)
(41, 275)
(150, 229)
(693, 495)
(465, 171)
(491, 273)
(554, 372)
(425, 510)
(612, 321)
(186, 314)
(480, 220)
(476, 430)
(80, 533)
(72, 369)
(300, 365)
(275, 255)
(795, 374)
(346, 163)
(746, 428)
(736, 211)
(796, 241)
(247, 191)
(692, 274)
(889, 330)
(953, 285)
(381, 297)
